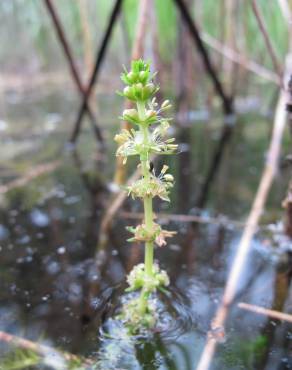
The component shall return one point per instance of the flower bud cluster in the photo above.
(131, 315)
(139, 82)
(132, 143)
(139, 92)
(138, 279)
(132, 116)
(154, 186)
(156, 234)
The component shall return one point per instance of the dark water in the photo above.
(53, 289)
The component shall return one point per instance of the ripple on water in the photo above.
(119, 349)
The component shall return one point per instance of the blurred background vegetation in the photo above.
(29, 44)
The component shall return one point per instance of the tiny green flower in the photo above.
(155, 235)
(155, 186)
(138, 279)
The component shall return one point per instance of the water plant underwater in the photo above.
(148, 137)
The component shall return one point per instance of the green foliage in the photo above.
(167, 27)
(19, 359)
(130, 10)
(247, 353)
(253, 38)
(28, 22)
(24, 198)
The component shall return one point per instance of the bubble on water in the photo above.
(115, 252)
(53, 267)
(39, 218)
(3, 125)
(94, 277)
(4, 233)
(24, 239)
(75, 292)
(61, 250)
(95, 302)
(184, 147)
(175, 247)
(45, 297)
(40, 235)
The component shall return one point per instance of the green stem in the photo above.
(149, 249)
(148, 207)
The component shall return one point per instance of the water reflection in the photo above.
(53, 289)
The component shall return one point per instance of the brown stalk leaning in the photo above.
(266, 312)
(40, 349)
(230, 290)
(269, 45)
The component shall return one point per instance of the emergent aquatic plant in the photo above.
(148, 138)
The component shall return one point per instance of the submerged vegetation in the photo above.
(145, 141)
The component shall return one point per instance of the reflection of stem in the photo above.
(143, 301)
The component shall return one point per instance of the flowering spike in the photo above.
(148, 138)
